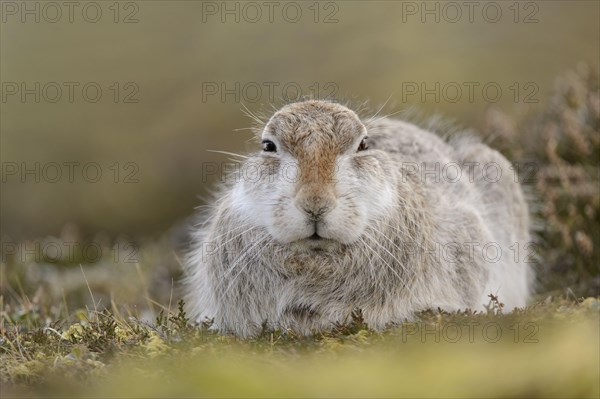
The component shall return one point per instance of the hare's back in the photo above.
(408, 142)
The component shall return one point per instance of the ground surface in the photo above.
(547, 350)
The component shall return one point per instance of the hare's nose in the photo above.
(316, 213)
(315, 205)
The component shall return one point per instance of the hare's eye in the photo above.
(269, 146)
(363, 145)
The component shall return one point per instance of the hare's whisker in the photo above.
(380, 108)
(404, 284)
(228, 153)
(251, 115)
(241, 256)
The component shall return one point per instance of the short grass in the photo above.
(549, 349)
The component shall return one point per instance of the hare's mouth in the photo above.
(315, 237)
(315, 242)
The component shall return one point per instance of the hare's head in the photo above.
(316, 182)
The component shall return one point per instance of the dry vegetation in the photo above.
(559, 154)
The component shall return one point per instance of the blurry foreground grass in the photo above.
(547, 350)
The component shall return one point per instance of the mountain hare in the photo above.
(336, 214)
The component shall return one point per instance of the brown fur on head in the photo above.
(327, 126)
(324, 185)
(315, 133)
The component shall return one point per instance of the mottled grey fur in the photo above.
(395, 239)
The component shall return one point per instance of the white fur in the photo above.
(386, 237)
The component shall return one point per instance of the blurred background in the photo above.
(108, 110)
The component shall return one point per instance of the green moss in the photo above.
(549, 348)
